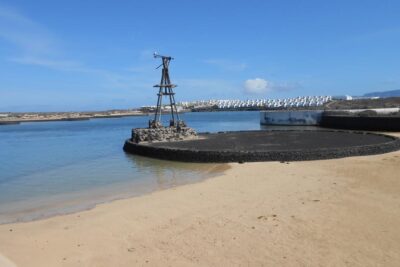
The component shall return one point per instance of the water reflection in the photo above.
(75, 187)
(54, 167)
(172, 173)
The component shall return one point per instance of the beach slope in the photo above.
(341, 212)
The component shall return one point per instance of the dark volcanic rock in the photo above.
(367, 113)
(364, 122)
(268, 146)
(162, 134)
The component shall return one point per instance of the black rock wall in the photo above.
(371, 123)
(223, 155)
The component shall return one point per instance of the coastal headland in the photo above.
(338, 212)
(15, 118)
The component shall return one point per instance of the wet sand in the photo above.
(340, 212)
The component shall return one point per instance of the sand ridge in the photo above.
(341, 212)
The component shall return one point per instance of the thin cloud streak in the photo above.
(36, 47)
(30, 37)
(226, 65)
(55, 64)
(205, 88)
(114, 80)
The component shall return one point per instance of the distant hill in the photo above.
(392, 93)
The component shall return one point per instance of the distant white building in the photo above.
(365, 97)
(342, 97)
(301, 101)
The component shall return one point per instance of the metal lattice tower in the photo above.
(165, 89)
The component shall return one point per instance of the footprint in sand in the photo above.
(263, 217)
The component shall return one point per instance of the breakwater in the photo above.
(385, 119)
(247, 146)
(291, 117)
(371, 123)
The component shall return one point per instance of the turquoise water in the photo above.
(49, 168)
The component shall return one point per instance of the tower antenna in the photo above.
(165, 89)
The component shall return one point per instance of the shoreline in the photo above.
(339, 212)
(80, 201)
(66, 118)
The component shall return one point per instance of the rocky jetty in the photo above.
(161, 133)
(248, 146)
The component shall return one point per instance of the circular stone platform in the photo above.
(268, 146)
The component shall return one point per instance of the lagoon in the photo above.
(50, 168)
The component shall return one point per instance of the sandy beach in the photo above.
(341, 212)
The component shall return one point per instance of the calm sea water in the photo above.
(49, 168)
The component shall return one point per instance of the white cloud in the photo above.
(257, 86)
(262, 86)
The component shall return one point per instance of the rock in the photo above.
(161, 133)
(367, 113)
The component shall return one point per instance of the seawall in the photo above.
(294, 117)
(360, 119)
(372, 123)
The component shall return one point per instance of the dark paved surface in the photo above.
(268, 146)
(276, 140)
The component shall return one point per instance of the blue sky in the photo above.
(93, 55)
